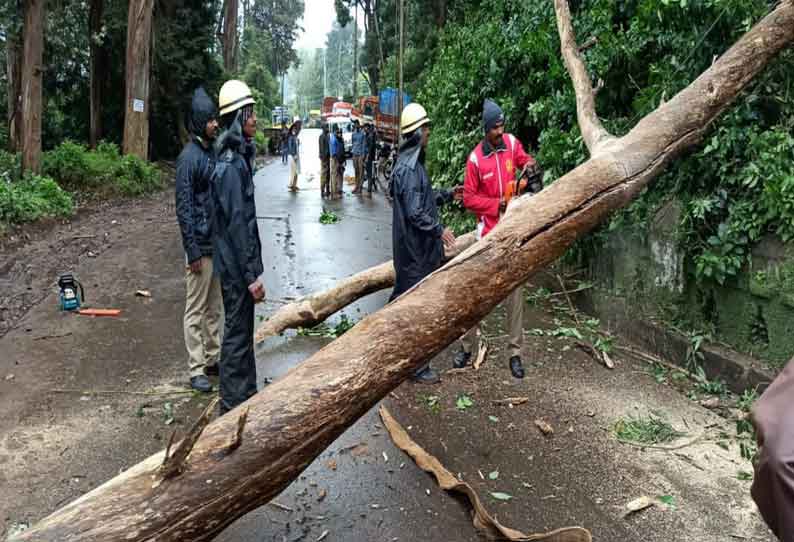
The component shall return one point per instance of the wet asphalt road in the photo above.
(362, 487)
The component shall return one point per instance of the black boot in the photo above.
(428, 376)
(516, 368)
(461, 359)
(200, 383)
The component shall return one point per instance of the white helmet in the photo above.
(234, 94)
(414, 116)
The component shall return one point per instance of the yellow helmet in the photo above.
(234, 95)
(414, 116)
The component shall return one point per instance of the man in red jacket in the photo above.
(491, 166)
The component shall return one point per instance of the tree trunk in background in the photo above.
(137, 105)
(255, 451)
(14, 71)
(230, 10)
(441, 13)
(32, 69)
(97, 70)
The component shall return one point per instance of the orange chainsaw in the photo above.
(530, 180)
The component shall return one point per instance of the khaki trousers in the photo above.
(294, 170)
(515, 325)
(202, 317)
(324, 177)
(358, 165)
(334, 174)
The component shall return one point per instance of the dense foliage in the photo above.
(736, 188)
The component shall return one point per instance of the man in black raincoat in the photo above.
(418, 237)
(238, 252)
(194, 169)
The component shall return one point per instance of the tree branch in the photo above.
(593, 132)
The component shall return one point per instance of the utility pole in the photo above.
(401, 18)
(355, 51)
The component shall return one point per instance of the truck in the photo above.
(383, 112)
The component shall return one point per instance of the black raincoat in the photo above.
(238, 260)
(416, 229)
(194, 169)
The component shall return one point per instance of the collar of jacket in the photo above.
(487, 148)
(411, 150)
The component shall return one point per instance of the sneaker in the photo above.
(428, 376)
(461, 359)
(515, 367)
(201, 384)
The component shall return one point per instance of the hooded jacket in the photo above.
(194, 168)
(416, 229)
(238, 252)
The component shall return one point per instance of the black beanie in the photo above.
(491, 114)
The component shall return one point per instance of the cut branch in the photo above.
(593, 132)
(174, 464)
(313, 309)
(294, 419)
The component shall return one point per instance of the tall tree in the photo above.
(279, 20)
(371, 57)
(31, 74)
(137, 106)
(14, 81)
(230, 10)
(96, 70)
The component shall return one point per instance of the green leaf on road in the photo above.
(667, 499)
(463, 402)
(494, 419)
(501, 496)
(493, 475)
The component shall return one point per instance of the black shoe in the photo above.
(461, 359)
(428, 376)
(516, 368)
(212, 370)
(200, 383)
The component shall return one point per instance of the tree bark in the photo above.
(313, 309)
(230, 9)
(96, 70)
(31, 75)
(292, 421)
(14, 71)
(137, 105)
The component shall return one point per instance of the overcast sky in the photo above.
(318, 16)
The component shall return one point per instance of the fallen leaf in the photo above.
(494, 419)
(323, 493)
(544, 427)
(10, 377)
(331, 464)
(493, 475)
(322, 536)
(638, 504)
(143, 293)
(667, 499)
(608, 361)
(385, 457)
(501, 496)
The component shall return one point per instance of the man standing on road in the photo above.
(418, 238)
(371, 148)
(194, 169)
(333, 144)
(491, 166)
(359, 154)
(293, 150)
(341, 161)
(325, 158)
(238, 253)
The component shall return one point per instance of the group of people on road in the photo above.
(333, 160)
(223, 256)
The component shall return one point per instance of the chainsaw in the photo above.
(529, 180)
(69, 300)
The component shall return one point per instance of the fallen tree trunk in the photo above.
(313, 309)
(293, 420)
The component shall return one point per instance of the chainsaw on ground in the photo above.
(69, 299)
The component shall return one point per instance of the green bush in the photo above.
(10, 166)
(261, 143)
(31, 198)
(103, 169)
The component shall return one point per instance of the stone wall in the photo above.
(644, 275)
